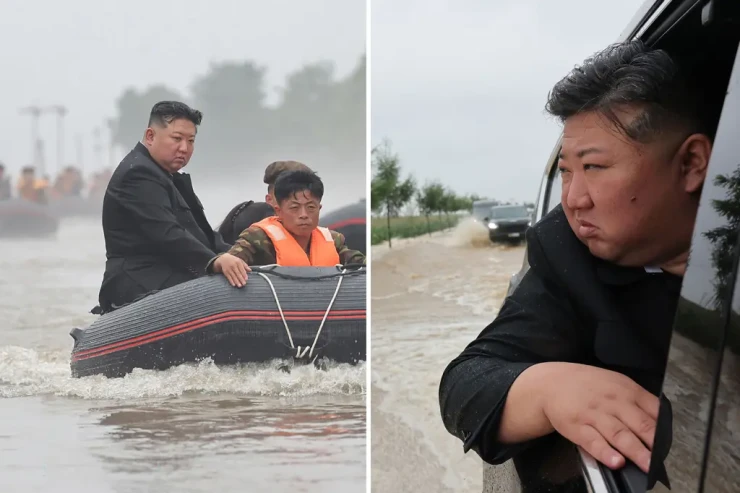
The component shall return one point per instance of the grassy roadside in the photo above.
(409, 226)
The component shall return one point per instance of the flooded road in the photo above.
(191, 428)
(431, 296)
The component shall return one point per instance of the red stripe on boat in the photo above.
(315, 315)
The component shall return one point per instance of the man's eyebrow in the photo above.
(583, 152)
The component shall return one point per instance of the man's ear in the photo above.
(149, 135)
(694, 157)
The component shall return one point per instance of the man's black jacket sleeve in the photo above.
(535, 324)
(145, 197)
(220, 244)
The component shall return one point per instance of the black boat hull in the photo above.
(351, 221)
(207, 318)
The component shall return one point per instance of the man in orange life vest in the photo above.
(290, 238)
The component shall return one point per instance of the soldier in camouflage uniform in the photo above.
(255, 248)
(290, 238)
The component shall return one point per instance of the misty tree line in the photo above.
(390, 194)
(317, 115)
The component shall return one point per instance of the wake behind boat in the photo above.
(305, 313)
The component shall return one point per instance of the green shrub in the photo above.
(408, 226)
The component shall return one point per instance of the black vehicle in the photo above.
(702, 378)
(508, 222)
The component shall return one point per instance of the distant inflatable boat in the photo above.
(75, 206)
(351, 221)
(303, 313)
(24, 219)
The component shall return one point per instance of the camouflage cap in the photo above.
(274, 169)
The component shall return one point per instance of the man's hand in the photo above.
(605, 412)
(234, 268)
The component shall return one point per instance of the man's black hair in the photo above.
(289, 183)
(631, 74)
(165, 112)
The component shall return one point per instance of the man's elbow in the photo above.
(452, 387)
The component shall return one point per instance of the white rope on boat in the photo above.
(301, 351)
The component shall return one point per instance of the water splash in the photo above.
(470, 233)
(27, 372)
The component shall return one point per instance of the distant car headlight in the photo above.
(529, 223)
(492, 226)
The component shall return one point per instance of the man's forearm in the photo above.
(523, 417)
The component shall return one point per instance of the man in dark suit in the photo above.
(156, 233)
(578, 350)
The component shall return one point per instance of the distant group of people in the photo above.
(157, 235)
(68, 183)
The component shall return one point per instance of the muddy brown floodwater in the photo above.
(431, 296)
(188, 429)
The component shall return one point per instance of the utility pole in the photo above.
(111, 128)
(97, 147)
(61, 112)
(36, 146)
(80, 163)
(40, 157)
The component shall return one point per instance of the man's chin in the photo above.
(613, 254)
(304, 231)
(600, 249)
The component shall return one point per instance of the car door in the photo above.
(721, 473)
(700, 423)
(693, 373)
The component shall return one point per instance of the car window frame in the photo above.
(733, 98)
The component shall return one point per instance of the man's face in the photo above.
(172, 146)
(632, 204)
(299, 213)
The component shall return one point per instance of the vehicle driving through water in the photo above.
(508, 222)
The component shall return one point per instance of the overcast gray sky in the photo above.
(459, 87)
(84, 53)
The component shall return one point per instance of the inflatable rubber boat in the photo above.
(76, 206)
(24, 219)
(303, 313)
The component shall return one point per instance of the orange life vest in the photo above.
(323, 252)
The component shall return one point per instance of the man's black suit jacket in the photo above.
(156, 233)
